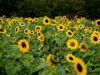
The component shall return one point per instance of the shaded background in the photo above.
(36, 8)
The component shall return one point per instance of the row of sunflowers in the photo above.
(45, 46)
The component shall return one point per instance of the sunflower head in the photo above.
(69, 33)
(41, 38)
(26, 31)
(83, 47)
(70, 58)
(72, 44)
(38, 28)
(46, 20)
(95, 39)
(23, 45)
(98, 22)
(52, 60)
(60, 27)
(17, 29)
(80, 67)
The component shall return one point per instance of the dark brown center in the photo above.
(95, 39)
(72, 44)
(79, 67)
(70, 58)
(69, 33)
(23, 45)
(98, 22)
(60, 27)
(83, 47)
(46, 21)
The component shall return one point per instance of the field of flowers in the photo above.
(45, 46)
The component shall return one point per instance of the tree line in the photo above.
(51, 8)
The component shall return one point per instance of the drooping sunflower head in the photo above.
(41, 38)
(38, 28)
(72, 44)
(46, 20)
(23, 45)
(98, 22)
(70, 58)
(80, 67)
(3, 30)
(52, 60)
(60, 27)
(69, 33)
(95, 39)
(83, 47)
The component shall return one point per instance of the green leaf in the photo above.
(37, 67)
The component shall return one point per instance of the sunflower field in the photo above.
(45, 46)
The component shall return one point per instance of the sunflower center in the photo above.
(70, 58)
(16, 29)
(79, 67)
(83, 47)
(2, 29)
(46, 21)
(37, 28)
(72, 44)
(98, 22)
(69, 33)
(60, 27)
(26, 31)
(95, 38)
(23, 45)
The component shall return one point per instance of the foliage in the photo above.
(43, 46)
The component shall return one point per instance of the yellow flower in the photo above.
(41, 38)
(60, 27)
(21, 23)
(17, 29)
(52, 60)
(3, 31)
(69, 33)
(95, 39)
(98, 22)
(72, 44)
(46, 20)
(38, 28)
(26, 31)
(70, 58)
(83, 47)
(23, 45)
(80, 67)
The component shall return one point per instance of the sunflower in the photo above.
(38, 28)
(32, 32)
(52, 60)
(17, 29)
(46, 20)
(72, 44)
(21, 23)
(96, 33)
(69, 33)
(80, 67)
(13, 39)
(98, 22)
(26, 31)
(60, 27)
(83, 47)
(2, 30)
(95, 39)
(70, 58)
(23, 45)
(41, 38)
